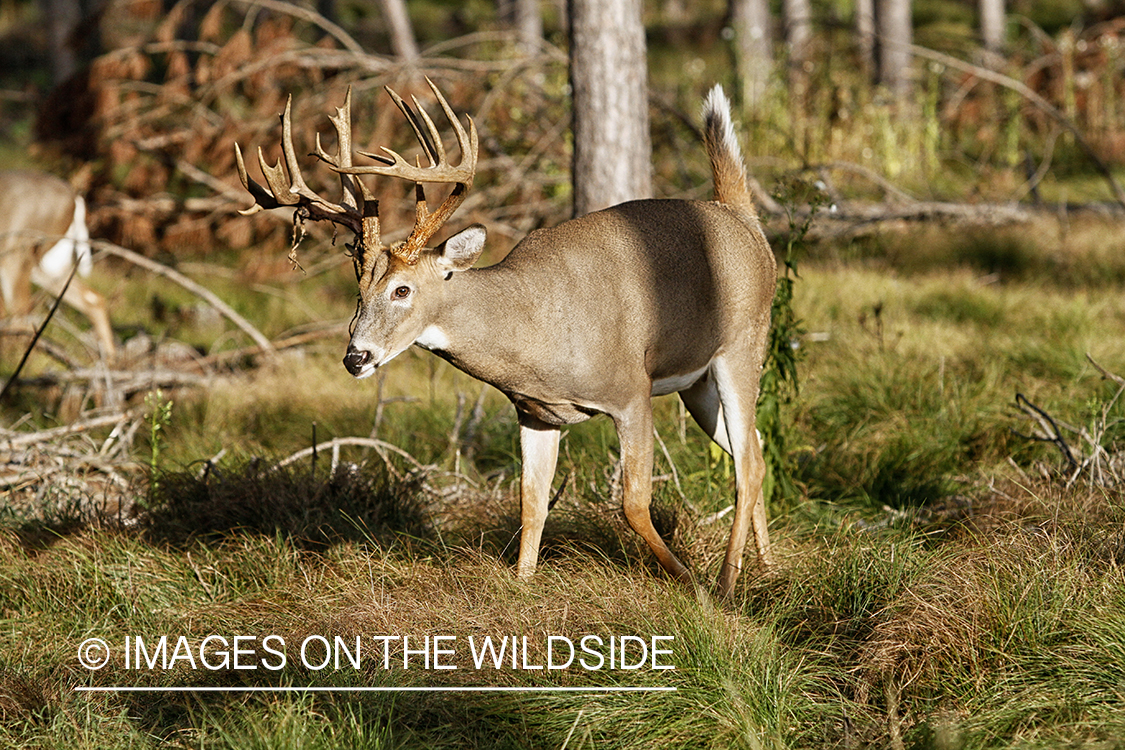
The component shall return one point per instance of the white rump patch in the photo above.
(73, 247)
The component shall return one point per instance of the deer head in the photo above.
(390, 315)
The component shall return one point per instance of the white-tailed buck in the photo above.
(594, 316)
(42, 235)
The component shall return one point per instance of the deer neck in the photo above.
(475, 325)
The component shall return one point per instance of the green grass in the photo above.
(937, 588)
(1000, 636)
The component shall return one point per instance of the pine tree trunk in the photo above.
(402, 32)
(865, 35)
(609, 83)
(992, 31)
(894, 21)
(753, 48)
(529, 26)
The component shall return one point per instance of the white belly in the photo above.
(675, 383)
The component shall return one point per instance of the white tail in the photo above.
(42, 236)
(594, 316)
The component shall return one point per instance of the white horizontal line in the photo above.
(334, 689)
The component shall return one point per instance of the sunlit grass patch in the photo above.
(994, 633)
(909, 387)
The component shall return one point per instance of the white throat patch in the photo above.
(433, 338)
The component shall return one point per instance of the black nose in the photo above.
(355, 359)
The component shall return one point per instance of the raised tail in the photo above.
(721, 142)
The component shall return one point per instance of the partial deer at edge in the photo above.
(42, 235)
(595, 316)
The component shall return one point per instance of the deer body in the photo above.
(594, 316)
(42, 235)
(580, 318)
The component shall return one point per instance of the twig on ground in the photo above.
(1050, 432)
(379, 446)
(11, 440)
(1102, 467)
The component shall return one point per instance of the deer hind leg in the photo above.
(86, 301)
(539, 446)
(634, 429)
(735, 377)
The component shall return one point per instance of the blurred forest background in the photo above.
(899, 102)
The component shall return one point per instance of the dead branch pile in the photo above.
(159, 118)
(66, 468)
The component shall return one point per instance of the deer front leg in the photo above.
(86, 301)
(634, 429)
(539, 447)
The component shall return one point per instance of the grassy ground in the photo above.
(938, 587)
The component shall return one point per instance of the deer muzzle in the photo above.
(358, 362)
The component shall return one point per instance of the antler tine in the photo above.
(355, 192)
(263, 199)
(463, 141)
(427, 224)
(426, 139)
(287, 187)
(440, 171)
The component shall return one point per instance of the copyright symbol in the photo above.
(93, 653)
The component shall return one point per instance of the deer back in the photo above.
(34, 206)
(648, 289)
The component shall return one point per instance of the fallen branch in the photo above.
(124, 381)
(11, 439)
(379, 446)
(197, 289)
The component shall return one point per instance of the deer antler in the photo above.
(359, 210)
(426, 224)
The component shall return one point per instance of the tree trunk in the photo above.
(403, 43)
(865, 35)
(529, 26)
(798, 29)
(753, 48)
(527, 19)
(896, 34)
(992, 31)
(62, 18)
(609, 84)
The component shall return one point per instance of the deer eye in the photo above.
(401, 292)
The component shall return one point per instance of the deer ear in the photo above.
(462, 250)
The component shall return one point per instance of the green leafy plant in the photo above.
(779, 384)
(159, 417)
